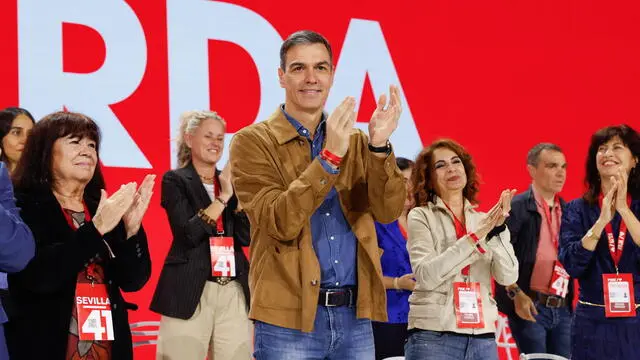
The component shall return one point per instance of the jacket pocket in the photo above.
(279, 284)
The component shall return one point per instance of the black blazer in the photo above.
(188, 264)
(524, 225)
(43, 293)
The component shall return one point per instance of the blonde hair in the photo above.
(189, 122)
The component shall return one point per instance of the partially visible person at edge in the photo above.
(455, 253)
(89, 246)
(315, 274)
(15, 125)
(204, 312)
(16, 243)
(390, 336)
(539, 305)
(600, 246)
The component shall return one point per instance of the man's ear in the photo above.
(532, 170)
(281, 77)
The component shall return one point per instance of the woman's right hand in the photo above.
(496, 215)
(112, 208)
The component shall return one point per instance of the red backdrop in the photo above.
(496, 76)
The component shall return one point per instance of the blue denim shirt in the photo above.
(588, 266)
(333, 241)
(395, 263)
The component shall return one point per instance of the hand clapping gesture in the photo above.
(133, 216)
(384, 120)
(498, 213)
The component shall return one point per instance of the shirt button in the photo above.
(331, 238)
(323, 181)
(337, 284)
(304, 131)
(335, 261)
(314, 282)
(328, 214)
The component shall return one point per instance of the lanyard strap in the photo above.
(216, 192)
(616, 249)
(461, 231)
(549, 220)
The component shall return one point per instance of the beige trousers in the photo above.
(219, 328)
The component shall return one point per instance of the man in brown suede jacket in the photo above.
(312, 187)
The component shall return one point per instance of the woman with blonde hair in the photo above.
(202, 293)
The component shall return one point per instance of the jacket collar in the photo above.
(281, 127)
(439, 204)
(531, 200)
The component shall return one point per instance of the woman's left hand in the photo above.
(621, 194)
(133, 217)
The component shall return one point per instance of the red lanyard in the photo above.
(90, 273)
(461, 231)
(547, 215)
(616, 251)
(216, 192)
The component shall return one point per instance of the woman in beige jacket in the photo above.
(454, 252)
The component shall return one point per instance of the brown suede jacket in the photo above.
(280, 187)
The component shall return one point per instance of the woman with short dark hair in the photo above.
(89, 247)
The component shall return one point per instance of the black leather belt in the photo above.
(551, 301)
(337, 297)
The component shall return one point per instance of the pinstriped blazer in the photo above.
(188, 263)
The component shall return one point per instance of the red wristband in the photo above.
(331, 157)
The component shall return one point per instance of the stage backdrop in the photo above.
(496, 76)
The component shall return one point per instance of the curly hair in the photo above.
(631, 139)
(189, 122)
(421, 177)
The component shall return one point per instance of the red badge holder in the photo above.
(94, 312)
(468, 305)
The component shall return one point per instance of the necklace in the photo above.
(207, 179)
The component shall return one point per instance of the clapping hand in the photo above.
(133, 216)
(384, 120)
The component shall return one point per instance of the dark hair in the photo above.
(533, 156)
(302, 37)
(6, 119)
(631, 139)
(421, 176)
(404, 163)
(34, 170)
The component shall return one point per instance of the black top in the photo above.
(44, 291)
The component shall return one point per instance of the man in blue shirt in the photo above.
(312, 186)
(16, 243)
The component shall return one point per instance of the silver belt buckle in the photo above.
(326, 298)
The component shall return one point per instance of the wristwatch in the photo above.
(511, 293)
(381, 149)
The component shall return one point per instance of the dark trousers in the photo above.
(389, 339)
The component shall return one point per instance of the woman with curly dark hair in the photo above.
(600, 246)
(455, 251)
